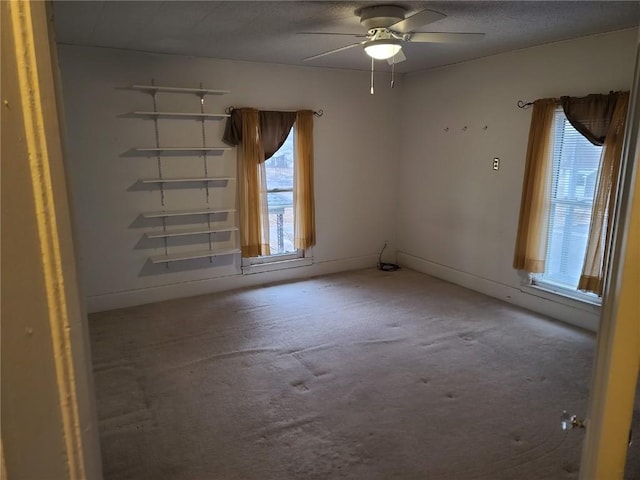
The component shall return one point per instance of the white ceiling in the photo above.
(266, 31)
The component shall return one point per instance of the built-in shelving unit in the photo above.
(181, 213)
(213, 222)
(185, 150)
(185, 180)
(189, 231)
(192, 255)
(213, 116)
(197, 91)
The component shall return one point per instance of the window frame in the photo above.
(269, 263)
(278, 261)
(538, 280)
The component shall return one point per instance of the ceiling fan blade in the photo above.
(357, 35)
(416, 21)
(437, 37)
(399, 57)
(335, 50)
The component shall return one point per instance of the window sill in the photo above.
(559, 296)
(277, 265)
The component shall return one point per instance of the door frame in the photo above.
(49, 421)
(617, 358)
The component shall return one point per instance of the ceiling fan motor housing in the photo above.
(381, 16)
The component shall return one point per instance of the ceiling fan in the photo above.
(388, 30)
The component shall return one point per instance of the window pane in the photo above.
(281, 222)
(575, 170)
(568, 242)
(280, 166)
(279, 169)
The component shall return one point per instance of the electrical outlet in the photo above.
(496, 163)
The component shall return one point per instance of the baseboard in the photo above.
(569, 311)
(130, 298)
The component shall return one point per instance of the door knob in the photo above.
(567, 422)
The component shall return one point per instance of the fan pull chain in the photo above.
(371, 76)
(393, 69)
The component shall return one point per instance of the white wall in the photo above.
(356, 160)
(457, 217)
(386, 167)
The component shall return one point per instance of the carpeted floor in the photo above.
(361, 375)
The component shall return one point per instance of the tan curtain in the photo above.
(303, 203)
(533, 226)
(599, 240)
(252, 203)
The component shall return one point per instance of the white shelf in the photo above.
(215, 150)
(192, 255)
(200, 228)
(190, 231)
(185, 180)
(213, 116)
(180, 213)
(197, 91)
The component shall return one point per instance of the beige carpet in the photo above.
(363, 375)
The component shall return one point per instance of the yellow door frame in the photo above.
(617, 359)
(49, 426)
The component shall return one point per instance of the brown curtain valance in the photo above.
(591, 115)
(274, 129)
(233, 128)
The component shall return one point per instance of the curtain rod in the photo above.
(522, 104)
(317, 113)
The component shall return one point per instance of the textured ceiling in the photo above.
(266, 31)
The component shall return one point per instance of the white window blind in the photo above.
(575, 170)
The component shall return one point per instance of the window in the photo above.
(279, 169)
(568, 191)
(574, 172)
(282, 207)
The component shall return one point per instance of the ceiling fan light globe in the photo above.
(382, 49)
